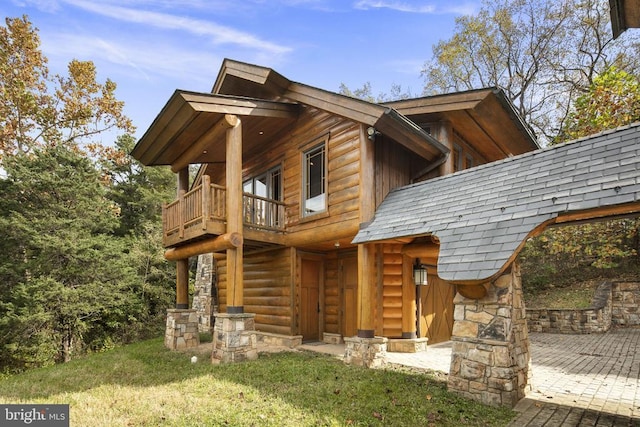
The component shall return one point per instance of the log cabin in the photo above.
(290, 173)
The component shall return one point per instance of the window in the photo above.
(457, 158)
(314, 198)
(258, 210)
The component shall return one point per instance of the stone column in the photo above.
(234, 338)
(490, 360)
(182, 329)
(204, 295)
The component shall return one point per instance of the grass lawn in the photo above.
(146, 385)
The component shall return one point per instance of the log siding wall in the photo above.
(267, 289)
(392, 290)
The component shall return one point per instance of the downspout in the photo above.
(436, 163)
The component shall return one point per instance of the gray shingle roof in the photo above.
(482, 215)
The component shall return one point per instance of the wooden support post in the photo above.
(366, 291)
(235, 284)
(182, 283)
(445, 136)
(182, 265)
(409, 303)
(183, 187)
(366, 296)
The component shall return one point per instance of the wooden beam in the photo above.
(217, 131)
(599, 213)
(422, 250)
(220, 243)
(336, 231)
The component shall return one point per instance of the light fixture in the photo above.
(419, 274)
(372, 132)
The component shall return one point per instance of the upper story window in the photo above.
(267, 185)
(262, 210)
(314, 180)
(464, 157)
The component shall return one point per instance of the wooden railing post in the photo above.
(164, 224)
(206, 200)
(181, 212)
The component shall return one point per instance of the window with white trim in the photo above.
(314, 180)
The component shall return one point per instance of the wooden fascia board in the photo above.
(171, 121)
(263, 76)
(439, 103)
(209, 103)
(350, 108)
(410, 135)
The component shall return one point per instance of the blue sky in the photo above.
(152, 47)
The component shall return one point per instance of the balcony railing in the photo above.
(190, 216)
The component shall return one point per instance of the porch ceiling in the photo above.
(190, 118)
(483, 216)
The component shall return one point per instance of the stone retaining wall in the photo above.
(614, 303)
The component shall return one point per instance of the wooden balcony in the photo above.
(202, 212)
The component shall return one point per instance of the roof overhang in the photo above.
(624, 14)
(186, 131)
(485, 116)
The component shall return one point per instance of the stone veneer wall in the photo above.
(490, 359)
(204, 294)
(614, 304)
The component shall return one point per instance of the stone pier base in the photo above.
(182, 329)
(490, 360)
(369, 352)
(234, 338)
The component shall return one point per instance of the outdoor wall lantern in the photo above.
(419, 274)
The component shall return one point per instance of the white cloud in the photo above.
(218, 34)
(136, 59)
(427, 8)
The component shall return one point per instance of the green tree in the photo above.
(65, 276)
(139, 192)
(612, 100)
(37, 109)
(543, 53)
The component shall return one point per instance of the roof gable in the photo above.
(482, 216)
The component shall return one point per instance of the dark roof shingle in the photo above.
(483, 215)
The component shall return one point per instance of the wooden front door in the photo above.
(348, 312)
(311, 271)
(436, 320)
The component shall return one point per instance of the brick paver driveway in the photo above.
(583, 380)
